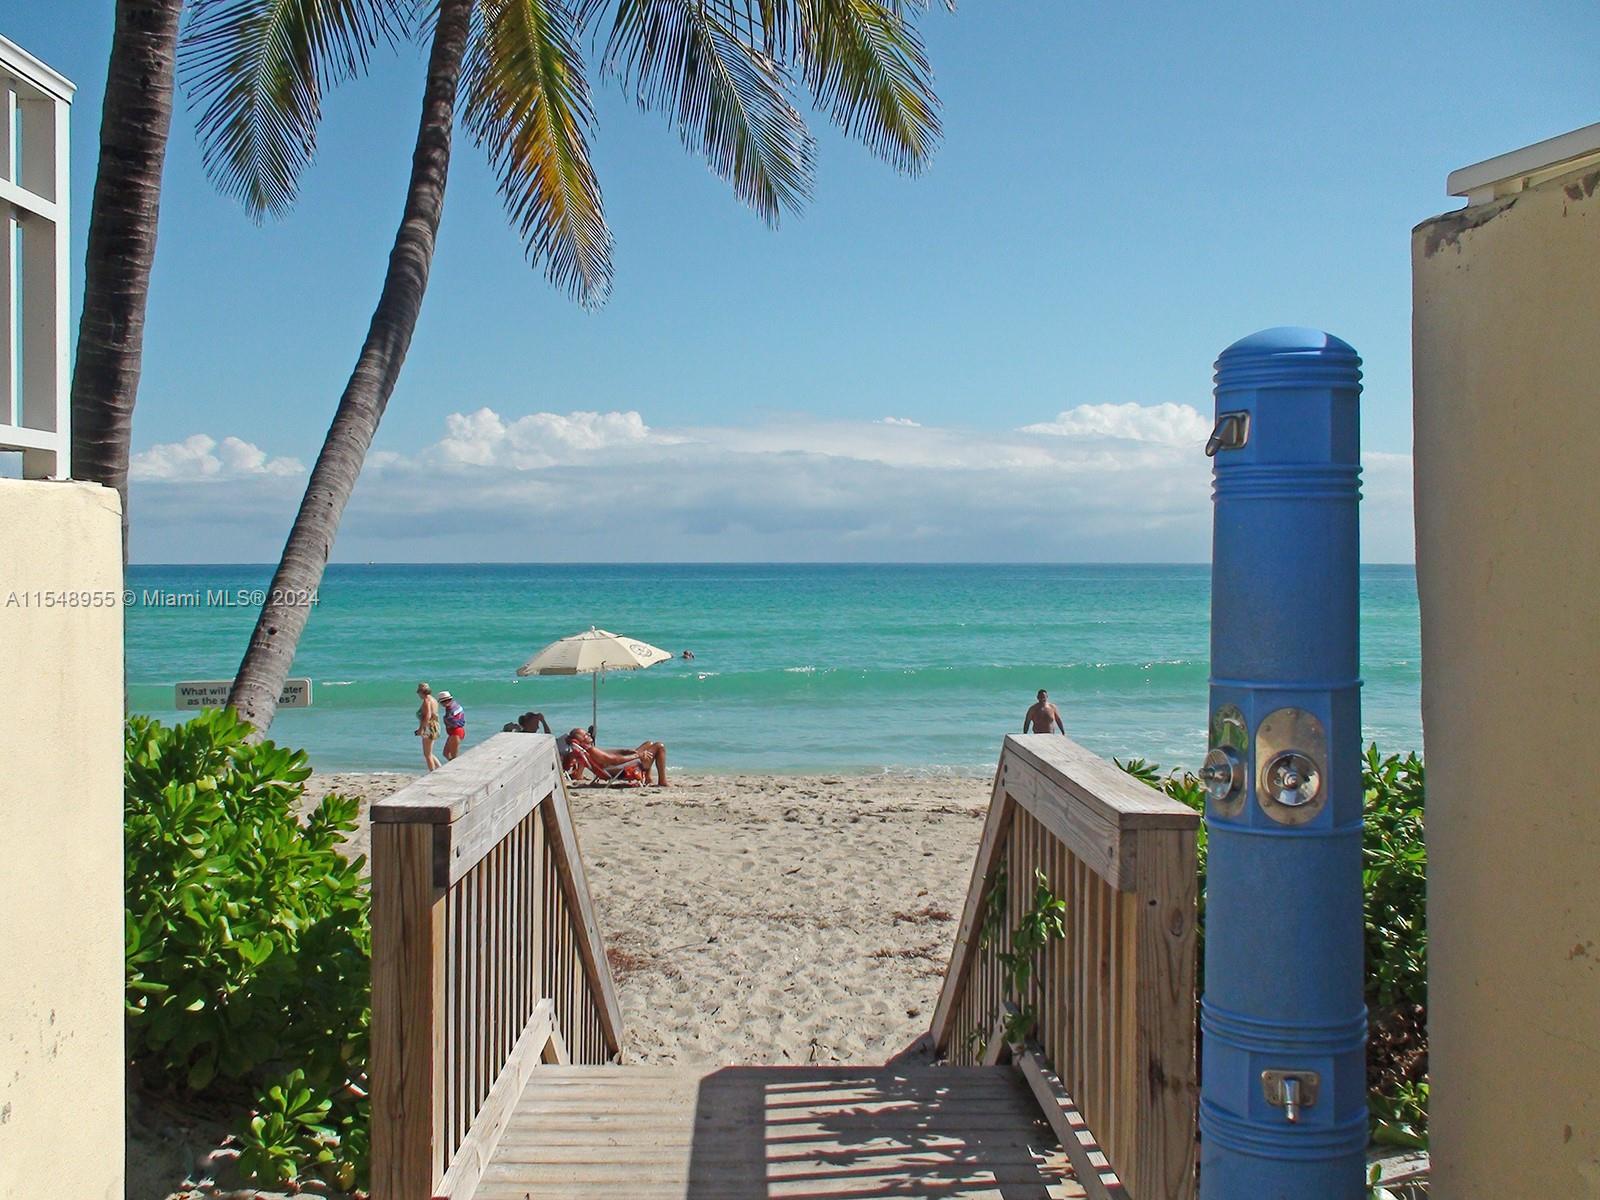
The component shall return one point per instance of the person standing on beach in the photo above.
(1043, 717)
(455, 725)
(428, 725)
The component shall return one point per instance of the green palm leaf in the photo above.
(865, 64)
(769, 24)
(257, 71)
(528, 105)
(707, 65)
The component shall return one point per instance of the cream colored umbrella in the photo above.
(593, 653)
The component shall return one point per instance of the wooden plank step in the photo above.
(777, 1133)
(631, 1189)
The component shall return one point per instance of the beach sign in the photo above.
(213, 693)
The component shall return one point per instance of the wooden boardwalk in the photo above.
(496, 1032)
(802, 1133)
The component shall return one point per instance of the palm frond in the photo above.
(730, 99)
(769, 24)
(257, 71)
(864, 63)
(527, 104)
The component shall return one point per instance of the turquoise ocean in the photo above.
(797, 668)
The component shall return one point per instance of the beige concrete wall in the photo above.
(61, 1061)
(1507, 362)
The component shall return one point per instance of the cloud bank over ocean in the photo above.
(1099, 482)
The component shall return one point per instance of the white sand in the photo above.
(768, 918)
(764, 919)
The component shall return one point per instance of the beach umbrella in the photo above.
(593, 653)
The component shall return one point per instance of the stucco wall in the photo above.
(61, 1070)
(1507, 362)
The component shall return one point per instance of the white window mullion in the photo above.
(35, 280)
(8, 266)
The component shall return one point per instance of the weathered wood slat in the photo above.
(625, 1186)
(1098, 785)
(989, 850)
(468, 783)
(758, 1132)
(527, 783)
(575, 886)
(407, 1014)
(1163, 1066)
(1086, 832)
(1091, 1169)
(895, 1151)
(473, 1155)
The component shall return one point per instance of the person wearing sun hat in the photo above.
(455, 725)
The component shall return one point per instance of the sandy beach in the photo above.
(770, 918)
(749, 919)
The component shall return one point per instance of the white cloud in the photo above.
(484, 438)
(1169, 424)
(201, 457)
(1100, 483)
(899, 421)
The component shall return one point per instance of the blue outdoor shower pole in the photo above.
(1283, 1111)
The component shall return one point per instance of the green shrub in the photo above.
(248, 942)
(1394, 882)
(1395, 879)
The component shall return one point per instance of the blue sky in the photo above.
(1121, 192)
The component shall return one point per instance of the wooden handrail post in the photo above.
(408, 997)
(1167, 1089)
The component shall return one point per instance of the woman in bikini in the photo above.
(428, 725)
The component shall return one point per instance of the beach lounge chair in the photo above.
(576, 762)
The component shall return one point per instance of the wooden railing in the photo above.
(486, 961)
(1110, 1008)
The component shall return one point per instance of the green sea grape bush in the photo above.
(288, 1130)
(1042, 923)
(1394, 883)
(1394, 867)
(248, 942)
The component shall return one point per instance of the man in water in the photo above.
(1043, 717)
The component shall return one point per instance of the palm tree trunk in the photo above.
(277, 633)
(134, 122)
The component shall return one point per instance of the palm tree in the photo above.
(135, 119)
(723, 71)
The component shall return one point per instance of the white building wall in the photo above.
(61, 960)
(1507, 411)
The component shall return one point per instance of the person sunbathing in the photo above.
(644, 755)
